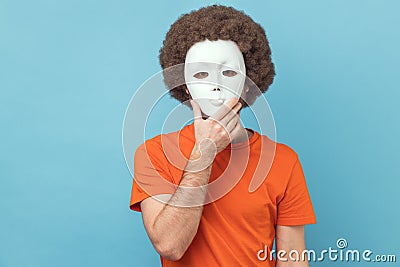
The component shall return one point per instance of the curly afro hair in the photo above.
(213, 23)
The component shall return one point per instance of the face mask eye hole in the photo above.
(201, 75)
(229, 73)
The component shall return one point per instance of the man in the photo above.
(192, 186)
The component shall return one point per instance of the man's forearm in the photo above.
(177, 223)
(288, 239)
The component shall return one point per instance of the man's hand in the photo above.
(216, 132)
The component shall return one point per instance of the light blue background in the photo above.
(69, 68)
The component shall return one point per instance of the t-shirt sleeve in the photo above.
(151, 175)
(295, 208)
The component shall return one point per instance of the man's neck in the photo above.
(245, 134)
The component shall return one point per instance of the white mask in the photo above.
(214, 73)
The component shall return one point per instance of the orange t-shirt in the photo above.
(236, 226)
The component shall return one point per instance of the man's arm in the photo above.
(171, 227)
(290, 238)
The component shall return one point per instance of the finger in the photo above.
(232, 124)
(231, 114)
(225, 109)
(196, 109)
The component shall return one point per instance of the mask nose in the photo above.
(219, 93)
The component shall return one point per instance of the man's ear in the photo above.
(243, 97)
(245, 91)
(187, 92)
